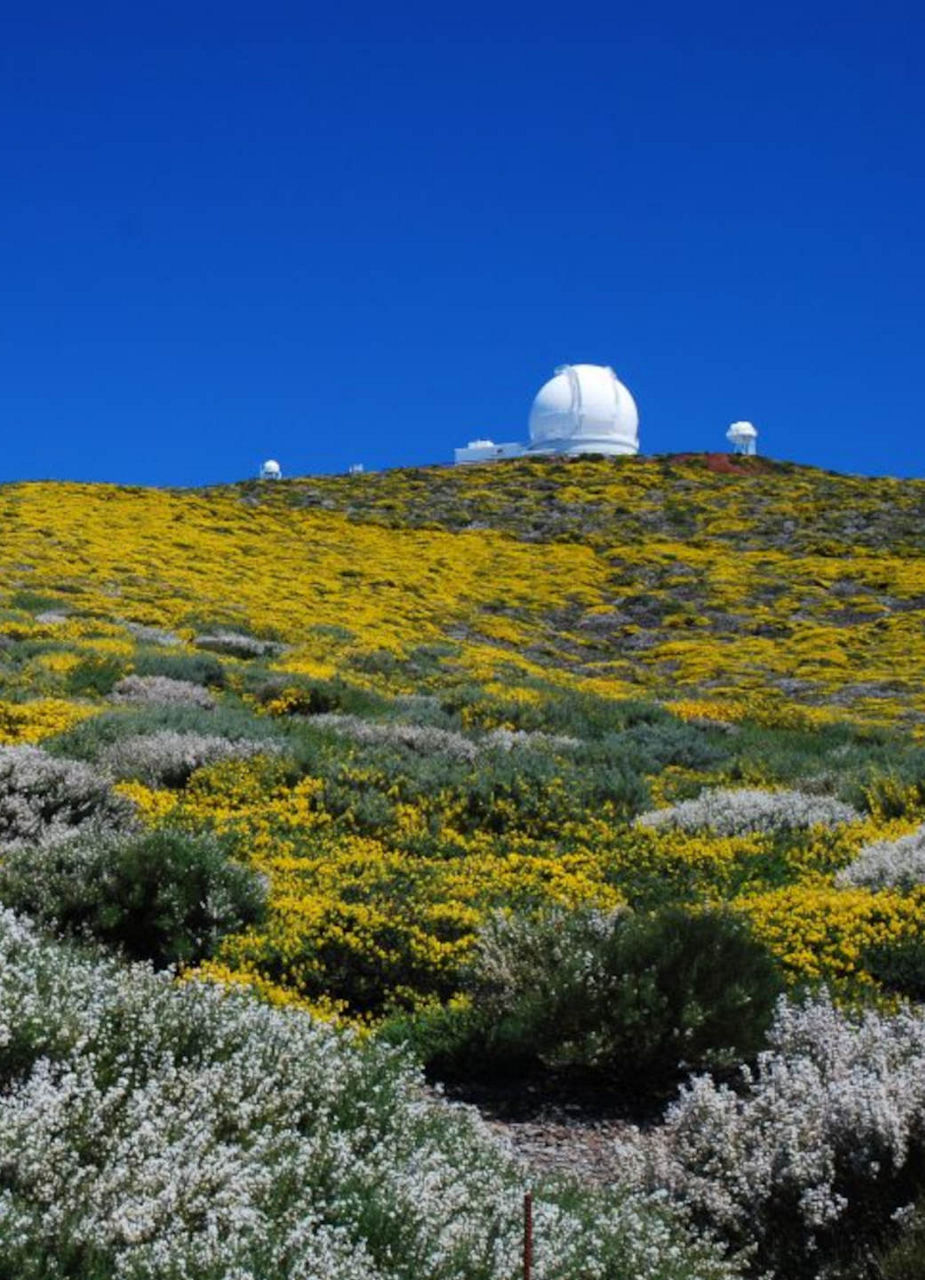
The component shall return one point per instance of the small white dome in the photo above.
(742, 431)
(585, 408)
(270, 470)
(743, 437)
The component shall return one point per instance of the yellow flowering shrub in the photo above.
(43, 718)
(821, 932)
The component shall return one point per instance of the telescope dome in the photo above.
(584, 408)
(743, 437)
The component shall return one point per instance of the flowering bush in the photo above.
(191, 1132)
(629, 1001)
(731, 812)
(521, 739)
(236, 645)
(819, 1146)
(168, 757)
(820, 932)
(162, 691)
(153, 635)
(40, 718)
(888, 864)
(44, 800)
(424, 739)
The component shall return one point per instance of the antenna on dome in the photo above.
(743, 437)
(270, 470)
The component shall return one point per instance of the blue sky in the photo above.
(362, 234)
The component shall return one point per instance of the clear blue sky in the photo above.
(350, 232)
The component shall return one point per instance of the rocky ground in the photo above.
(573, 1145)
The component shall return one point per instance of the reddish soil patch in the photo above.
(726, 464)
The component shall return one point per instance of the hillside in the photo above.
(661, 577)
(442, 756)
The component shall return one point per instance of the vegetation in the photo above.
(560, 772)
(162, 895)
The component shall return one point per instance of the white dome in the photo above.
(742, 431)
(270, 470)
(584, 409)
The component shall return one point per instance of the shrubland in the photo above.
(600, 780)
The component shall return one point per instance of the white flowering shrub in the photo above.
(517, 954)
(888, 864)
(430, 740)
(236, 645)
(422, 738)
(149, 1130)
(44, 800)
(168, 757)
(153, 635)
(162, 691)
(734, 812)
(814, 1152)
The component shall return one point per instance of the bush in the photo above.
(896, 787)
(538, 791)
(736, 812)
(44, 800)
(422, 739)
(236, 645)
(898, 966)
(168, 758)
(888, 864)
(162, 896)
(162, 691)
(294, 695)
(153, 635)
(195, 668)
(635, 1002)
(93, 738)
(523, 740)
(808, 1161)
(94, 675)
(905, 1258)
(150, 1129)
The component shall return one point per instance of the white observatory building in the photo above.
(583, 408)
(270, 470)
(743, 437)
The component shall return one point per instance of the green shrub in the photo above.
(309, 697)
(197, 668)
(94, 675)
(896, 790)
(164, 896)
(34, 601)
(633, 1002)
(93, 738)
(898, 966)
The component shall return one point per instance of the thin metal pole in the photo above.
(528, 1236)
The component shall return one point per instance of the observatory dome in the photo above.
(584, 408)
(270, 470)
(743, 437)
